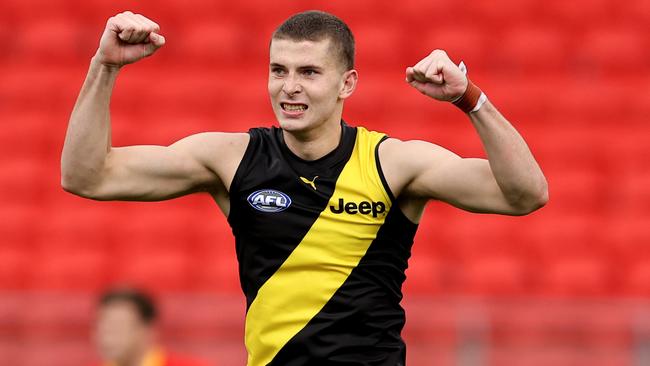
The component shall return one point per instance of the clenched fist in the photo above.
(128, 38)
(437, 77)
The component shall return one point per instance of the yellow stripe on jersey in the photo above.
(325, 257)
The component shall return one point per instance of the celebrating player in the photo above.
(323, 213)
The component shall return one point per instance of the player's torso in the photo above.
(321, 254)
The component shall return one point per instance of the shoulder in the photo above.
(219, 152)
(207, 144)
(208, 140)
(404, 161)
(412, 152)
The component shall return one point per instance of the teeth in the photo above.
(294, 107)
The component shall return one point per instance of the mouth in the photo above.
(294, 107)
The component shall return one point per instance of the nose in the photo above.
(291, 86)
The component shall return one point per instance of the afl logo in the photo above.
(269, 200)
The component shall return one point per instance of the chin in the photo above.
(293, 125)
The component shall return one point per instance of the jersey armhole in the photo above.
(381, 172)
(243, 164)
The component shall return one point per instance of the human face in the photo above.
(120, 334)
(307, 84)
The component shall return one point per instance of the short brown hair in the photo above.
(315, 25)
(143, 303)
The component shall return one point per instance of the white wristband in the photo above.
(481, 100)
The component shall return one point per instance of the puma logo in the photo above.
(310, 182)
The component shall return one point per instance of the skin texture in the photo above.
(300, 72)
(306, 72)
(121, 336)
(91, 167)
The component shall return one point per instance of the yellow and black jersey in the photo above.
(322, 250)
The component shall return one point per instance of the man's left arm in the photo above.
(515, 170)
(509, 182)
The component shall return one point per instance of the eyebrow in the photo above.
(305, 67)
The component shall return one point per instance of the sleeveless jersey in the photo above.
(322, 249)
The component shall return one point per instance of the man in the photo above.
(125, 331)
(323, 213)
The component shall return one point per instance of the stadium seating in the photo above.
(510, 291)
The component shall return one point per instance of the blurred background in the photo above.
(567, 285)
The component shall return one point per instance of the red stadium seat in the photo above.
(215, 273)
(578, 188)
(567, 285)
(21, 181)
(16, 226)
(532, 49)
(14, 268)
(73, 250)
(155, 268)
(467, 43)
(53, 352)
(203, 316)
(635, 278)
(577, 14)
(52, 315)
(569, 330)
(427, 275)
(210, 43)
(581, 276)
(496, 275)
(628, 238)
(26, 134)
(59, 41)
(154, 226)
(501, 12)
(637, 11)
(82, 269)
(622, 50)
(15, 11)
(380, 45)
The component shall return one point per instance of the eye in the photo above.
(277, 71)
(309, 72)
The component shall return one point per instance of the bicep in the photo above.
(153, 173)
(467, 183)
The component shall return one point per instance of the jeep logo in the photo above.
(364, 208)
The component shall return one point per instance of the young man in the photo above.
(125, 331)
(323, 213)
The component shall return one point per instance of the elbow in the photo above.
(69, 181)
(78, 187)
(543, 195)
(69, 185)
(536, 202)
(533, 200)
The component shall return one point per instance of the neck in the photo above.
(136, 359)
(316, 143)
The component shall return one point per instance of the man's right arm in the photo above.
(92, 168)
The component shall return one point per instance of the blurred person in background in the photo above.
(323, 213)
(125, 331)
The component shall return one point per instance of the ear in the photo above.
(350, 79)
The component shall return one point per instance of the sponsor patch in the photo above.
(364, 207)
(269, 200)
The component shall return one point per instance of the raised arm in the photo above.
(92, 168)
(509, 182)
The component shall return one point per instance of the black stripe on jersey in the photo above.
(362, 322)
(381, 172)
(260, 252)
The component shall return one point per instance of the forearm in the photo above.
(88, 138)
(516, 172)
